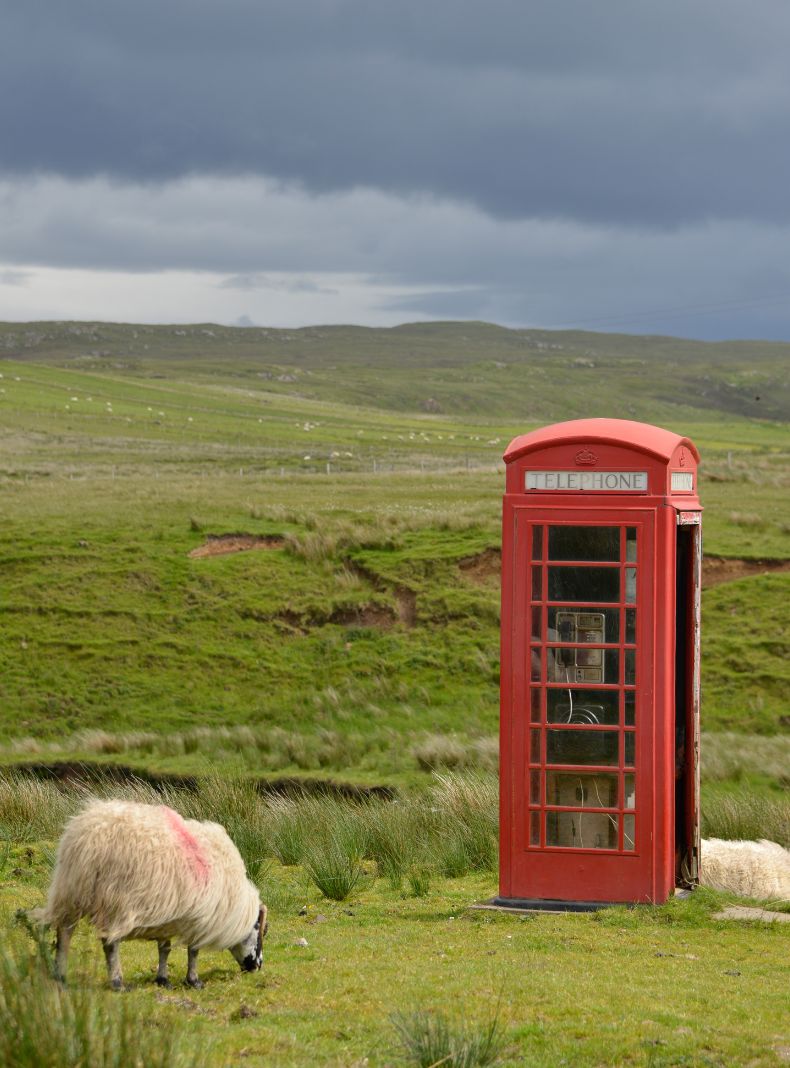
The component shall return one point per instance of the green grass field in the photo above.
(669, 985)
(353, 634)
(370, 613)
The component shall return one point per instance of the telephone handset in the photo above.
(580, 665)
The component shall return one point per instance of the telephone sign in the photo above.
(599, 738)
(581, 481)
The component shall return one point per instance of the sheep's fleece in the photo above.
(753, 869)
(141, 871)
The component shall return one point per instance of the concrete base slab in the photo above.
(523, 907)
(744, 912)
(486, 906)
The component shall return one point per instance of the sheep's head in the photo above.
(249, 952)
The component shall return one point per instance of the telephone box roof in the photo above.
(642, 437)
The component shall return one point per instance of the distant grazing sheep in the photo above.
(753, 869)
(141, 871)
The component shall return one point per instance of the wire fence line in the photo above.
(155, 470)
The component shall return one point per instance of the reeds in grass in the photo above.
(428, 1039)
(727, 755)
(33, 808)
(468, 807)
(745, 815)
(334, 866)
(435, 752)
(333, 857)
(262, 746)
(396, 833)
(45, 1026)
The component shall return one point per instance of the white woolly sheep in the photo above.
(753, 869)
(141, 871)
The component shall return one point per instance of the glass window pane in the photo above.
(630, 708)
(630, 625)
(630, 792)
(537, 543)
(582, 747)
(537, 584)
(629, 832)
(582, 706)
(581, 789)
(534, 828)
(534, 787)
(630, 544)
(581, 830)
(584, 584)
(537, 617)
(534, 663)
(534, 747)
(584, 624)
(535, 705)
(630, 749)
(630, 584)
(584, 543)
(630, 667)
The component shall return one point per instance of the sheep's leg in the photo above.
(192, 975)
(113, 958)
(161, 974)
(62, 953)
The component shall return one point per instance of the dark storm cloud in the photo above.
(426, 257)
(618, 110)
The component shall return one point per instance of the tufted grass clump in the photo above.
(32, 809)
(45, 1026)
(746, 815)
(287, 830)
(399, 836)
(336, 847)
(334, 866)
(427, 1039)
(467, 807)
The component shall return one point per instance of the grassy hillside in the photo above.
(472, 369)
(364, 622)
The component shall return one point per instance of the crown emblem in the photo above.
(682, 457)
(586, 458)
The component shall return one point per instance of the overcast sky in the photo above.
(617, 164)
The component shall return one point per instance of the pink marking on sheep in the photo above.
(190, 845)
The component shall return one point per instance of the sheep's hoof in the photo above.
(162, 980)
(116, 984)
(196, 984)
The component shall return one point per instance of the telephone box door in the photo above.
(578, 804)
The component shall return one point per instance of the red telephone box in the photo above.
(599, 743)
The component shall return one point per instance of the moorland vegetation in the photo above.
(233, 557)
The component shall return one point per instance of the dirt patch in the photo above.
(363, 615)
(405, 598)
(483, 568)
(366, 615)
(718, 569)
(219, 544)
(407, 606)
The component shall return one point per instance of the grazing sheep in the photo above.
(141, 871)
(753, 869)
